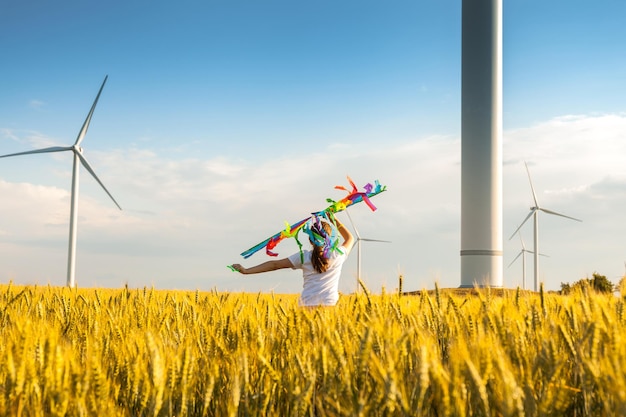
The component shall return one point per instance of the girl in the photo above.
(321, 266)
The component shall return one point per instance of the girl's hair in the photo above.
(319, 261)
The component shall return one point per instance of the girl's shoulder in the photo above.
(302, 257)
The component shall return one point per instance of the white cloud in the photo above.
(185, 219)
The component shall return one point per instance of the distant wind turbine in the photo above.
(523, 253)
(360, 239)
(534, 211)
(78, 156)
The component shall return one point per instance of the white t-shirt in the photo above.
(319, 288)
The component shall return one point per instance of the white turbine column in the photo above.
(536, 244)
(71, 255)
(481, 121)
(524, 270)
(358, 266)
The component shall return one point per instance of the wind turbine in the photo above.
(78, 157)
(523, 253)
(360, 239)
(534, 211)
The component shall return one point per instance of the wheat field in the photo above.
(147, 352)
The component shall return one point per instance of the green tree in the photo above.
(599, 283)
(565, 288)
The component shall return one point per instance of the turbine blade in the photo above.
(540, 254)
(525, 220)
(356, 231)
(45, 150)
(374, 240)
(93, 174)
(531, 185)
(518, 255)
(559, 214)
(83, 130)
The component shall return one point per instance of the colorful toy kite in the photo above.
(329, 242)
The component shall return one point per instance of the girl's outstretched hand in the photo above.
(239, 268)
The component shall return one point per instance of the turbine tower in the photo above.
(358, 248)
(78, 158)
(523, 253)
(534, 212)
(481, 148)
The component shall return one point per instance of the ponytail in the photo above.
(319, 256)
(319, 261)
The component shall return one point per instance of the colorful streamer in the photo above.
(354, 196)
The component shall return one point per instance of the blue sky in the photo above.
(222, 119)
